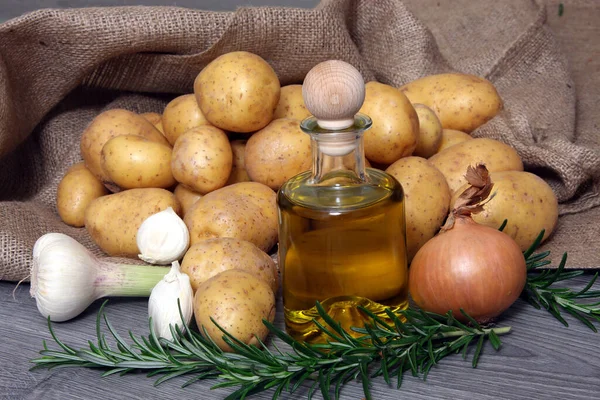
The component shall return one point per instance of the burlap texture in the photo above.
(59, 68)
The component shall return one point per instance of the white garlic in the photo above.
(66, 278)
(163, 307)
(162, 238)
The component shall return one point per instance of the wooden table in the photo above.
(539, 359)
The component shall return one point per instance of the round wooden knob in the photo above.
(333, 92)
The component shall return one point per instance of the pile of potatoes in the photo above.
(218, 155)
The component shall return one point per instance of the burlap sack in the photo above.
(59, 68)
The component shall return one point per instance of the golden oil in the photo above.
(344, 246)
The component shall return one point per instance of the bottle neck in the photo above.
(339, 161)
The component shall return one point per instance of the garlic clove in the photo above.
(162, 238)
(163, 307)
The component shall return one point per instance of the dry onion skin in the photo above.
(468, 266)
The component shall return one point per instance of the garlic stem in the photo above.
(66, 278)
(127, 280)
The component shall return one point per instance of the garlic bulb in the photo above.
(162, 238)
(162, 305)
(66, 278)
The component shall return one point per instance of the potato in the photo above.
(209, 257)
(113, 220)
(155, 119)
(238, 92)
(75, 192)
(461, 101)
(426, 199)
(450, 137)
(107, 125)
(395, 128)
(180, 115)
(245, 210)
(291, 104)
(238, 166)
(525, 200)
(430, 132)
(496, 156)
(202, 159)
(278, 152)
(136, 162)
(238, 301)
(186, 197)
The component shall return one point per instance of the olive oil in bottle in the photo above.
(342, 235)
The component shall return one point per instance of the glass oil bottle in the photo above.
(342, 238)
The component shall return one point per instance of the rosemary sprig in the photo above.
(541, 292)
(385, 349)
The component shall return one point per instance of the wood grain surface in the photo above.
(539, 359)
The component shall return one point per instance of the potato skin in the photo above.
(136, 162)
(107, 125)
(180, 115)
(395, 128)
(461, 101)
(496, 156)
(186, 197)
(450, 137)
(238, 301)
(155, 119)
(238, 92)
(277, 152)
(525, 200)
(291, 104)
(430, 132)
(76, 190)
(245, 210)
(238, 166)
(202, 159)
(209, 257)
(113, 220)
(426, 199)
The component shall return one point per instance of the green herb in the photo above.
(385, 349)
(541, 291)
(561, 9)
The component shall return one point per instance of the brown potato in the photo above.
(461, 101)
(426, 199)
(113, 220)
(525, 200)
(180, 115)
(202, 159)
(136, 162)
(291, 104)
(238, 92)
(209, 257)
(496, 156)
(186, 197)
(395, 128)
(450, 137)
(77, 189)
(245, 210)
(238, 167)
(430, 132)
(278, 152)
(238, 302)
(107, 125)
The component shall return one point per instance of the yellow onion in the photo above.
(468, 266)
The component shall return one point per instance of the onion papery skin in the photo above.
(470, 266)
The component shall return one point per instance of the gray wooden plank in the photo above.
(14, 8)
(539, 359)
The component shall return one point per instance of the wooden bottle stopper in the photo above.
(333, 92)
